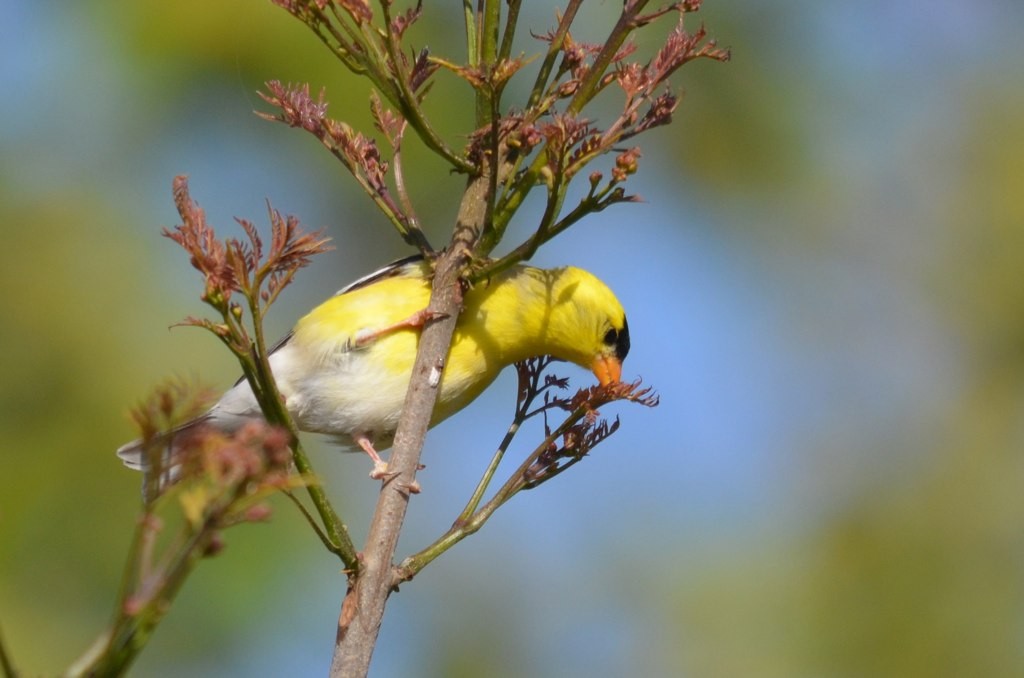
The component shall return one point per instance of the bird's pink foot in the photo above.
(380, 467)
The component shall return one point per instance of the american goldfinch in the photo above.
(344, 369)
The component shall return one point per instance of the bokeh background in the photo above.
(825, 283)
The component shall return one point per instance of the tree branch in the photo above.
(363, 607)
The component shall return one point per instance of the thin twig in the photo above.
(510, 29)
(324, 537)
(412, 221)
(592, 82)
(554, 49)
(462, 529)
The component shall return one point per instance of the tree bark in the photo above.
(363, 607)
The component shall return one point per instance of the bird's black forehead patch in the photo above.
(622, 341)
(619, 339)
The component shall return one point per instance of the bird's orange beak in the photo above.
(607, 369)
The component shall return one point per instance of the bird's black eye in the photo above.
(619, 339)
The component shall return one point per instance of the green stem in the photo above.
(589, 205)
(510, 29)
(485, 96)
(592, 82)
(335, 528)
(117, 649)
(460, 530)
(556, 197)
(472, 49)
(554, 49)
(406, 100)
(412, 235)
(410, 225)
(513, 198)
(365, 58)
(324, 537)
(545, 232)
(529, 384)
(339, 47)
(274, 410)
(485, 481)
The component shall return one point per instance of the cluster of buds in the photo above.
(240, 266)
(256, 456)
(234, 265)
(581, 431)
(219, 480)
(625, 164)
(574, 444)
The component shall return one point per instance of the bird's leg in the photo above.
(380, 467)
(416, 320)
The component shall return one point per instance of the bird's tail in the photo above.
(160, 457)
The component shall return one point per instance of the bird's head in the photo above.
(588, 324)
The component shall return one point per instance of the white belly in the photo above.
(344, 394)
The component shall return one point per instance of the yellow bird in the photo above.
(345, 368)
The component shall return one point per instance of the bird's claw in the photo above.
(380, 471)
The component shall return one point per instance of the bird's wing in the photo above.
(394, 269)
